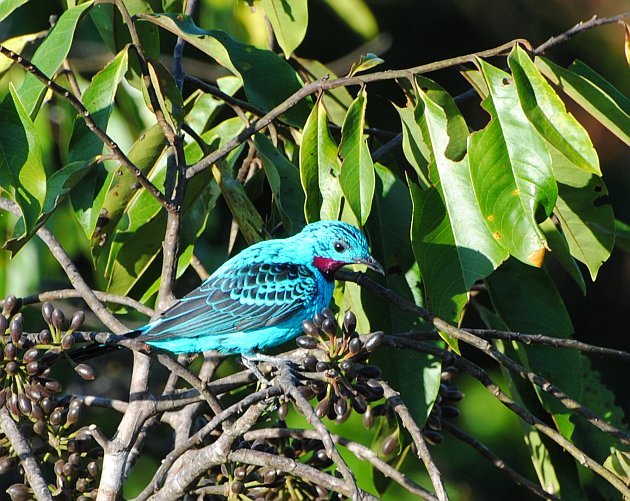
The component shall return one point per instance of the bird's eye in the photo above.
(339, 247)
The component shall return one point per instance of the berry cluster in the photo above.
(343, 381)
(30, 394)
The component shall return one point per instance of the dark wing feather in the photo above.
(237, 299)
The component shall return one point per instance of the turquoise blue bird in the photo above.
(259, 298)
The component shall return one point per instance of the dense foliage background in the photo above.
(430, 222)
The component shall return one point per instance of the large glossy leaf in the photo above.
(357, 170)
(527, 301)
(284, 179)
(319, 168)
(585, 216)
(98, 99)
(49, 56)
(511, 171)
(477, 252)
(22, 174)
(547, 113)
(593, 93)
(268, 79)
(8, 6)
(289, 19)
(168, 95)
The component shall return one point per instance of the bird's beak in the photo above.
(370, 262)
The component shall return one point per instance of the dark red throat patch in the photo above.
(327, 266)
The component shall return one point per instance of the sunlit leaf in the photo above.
(289, 19)
(319, 168)
(17, 44)
(547, 113)
(511, 171)
(22, 174)
(593, 93)
(414, 148)
(366, 62)
(357, 15)
(357, 171)
(49, 56)
(560, 250)
(85, 146)
(8, 6)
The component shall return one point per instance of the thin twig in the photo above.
(326, 84)
(483, 345)
(359, 450)
(197, 438)
(496, 461)
(414, 430)
(297, 469)
(483, 377)
(109, 143)
(551, 341)
(73, 293)
(593, 22)
(25, 454)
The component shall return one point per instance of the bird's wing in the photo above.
(237, 299)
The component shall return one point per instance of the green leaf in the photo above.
(169, 97)
(366, 62)
(145, 154)
(268, 79)
(284, 180)
(547, 113)
(289, 19)
(49, 56)
(560, 250)
(319, 168)
(414, 148)
(527, 301)
(452, 243)
(17, 44)
(511, 171)
(585, 216)
(357, 15)
(22, 174)
(593, 93)
(357, 171)
(85, 146)
(8, 6)
(115, 34)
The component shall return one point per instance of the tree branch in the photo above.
(109, 143)
(423, 451)
(72, 273)
(25, 454)
(489, 350)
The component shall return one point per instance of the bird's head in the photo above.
(336, 244)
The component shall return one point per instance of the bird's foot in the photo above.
(286, 368)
